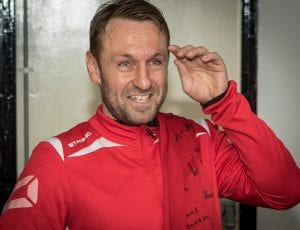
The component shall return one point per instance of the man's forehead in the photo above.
(129, 25)
(123, 35)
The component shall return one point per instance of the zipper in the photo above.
(150, 132)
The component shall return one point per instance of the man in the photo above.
(132, 167)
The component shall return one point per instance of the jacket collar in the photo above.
(118, 132)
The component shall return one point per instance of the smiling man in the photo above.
(132, 70)
(133, 167)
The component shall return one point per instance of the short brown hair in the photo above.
(137, 10)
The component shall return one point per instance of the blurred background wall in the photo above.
(278, 90)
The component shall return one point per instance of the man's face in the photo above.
(133, 71)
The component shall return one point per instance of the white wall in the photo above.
(60, 93)
(278, 89)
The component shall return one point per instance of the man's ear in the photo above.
(93, 68)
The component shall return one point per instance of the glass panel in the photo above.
(7, 100)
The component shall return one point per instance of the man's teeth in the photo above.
(140, 97)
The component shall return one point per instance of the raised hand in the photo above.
(203, 74)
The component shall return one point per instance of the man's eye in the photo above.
(155, 62)
(125, 64)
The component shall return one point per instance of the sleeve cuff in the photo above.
(215, 100)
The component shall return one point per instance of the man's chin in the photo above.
(140, 118)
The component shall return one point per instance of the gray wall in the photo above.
(278, 89)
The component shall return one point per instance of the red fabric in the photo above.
(105, 175)
(263, 172)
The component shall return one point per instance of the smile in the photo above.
(140, 98)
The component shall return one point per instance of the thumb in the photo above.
(184, 75)
(183, 71)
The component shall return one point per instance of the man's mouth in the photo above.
(140, 98)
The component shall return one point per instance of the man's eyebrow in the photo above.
(160, 54)
(122, 55)
(130, 56)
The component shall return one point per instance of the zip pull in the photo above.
(150, 132)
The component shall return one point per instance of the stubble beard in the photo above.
(125, 114)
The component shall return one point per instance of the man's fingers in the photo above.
(180, 52)
(182, 69)
(190, 55)
(173, 48)
(212, 57)
(196, 52)
(189, 52)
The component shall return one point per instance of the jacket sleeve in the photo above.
(252, 164)
(41, 197)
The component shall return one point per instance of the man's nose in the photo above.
(142, 78)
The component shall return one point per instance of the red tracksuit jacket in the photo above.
(168, 175)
